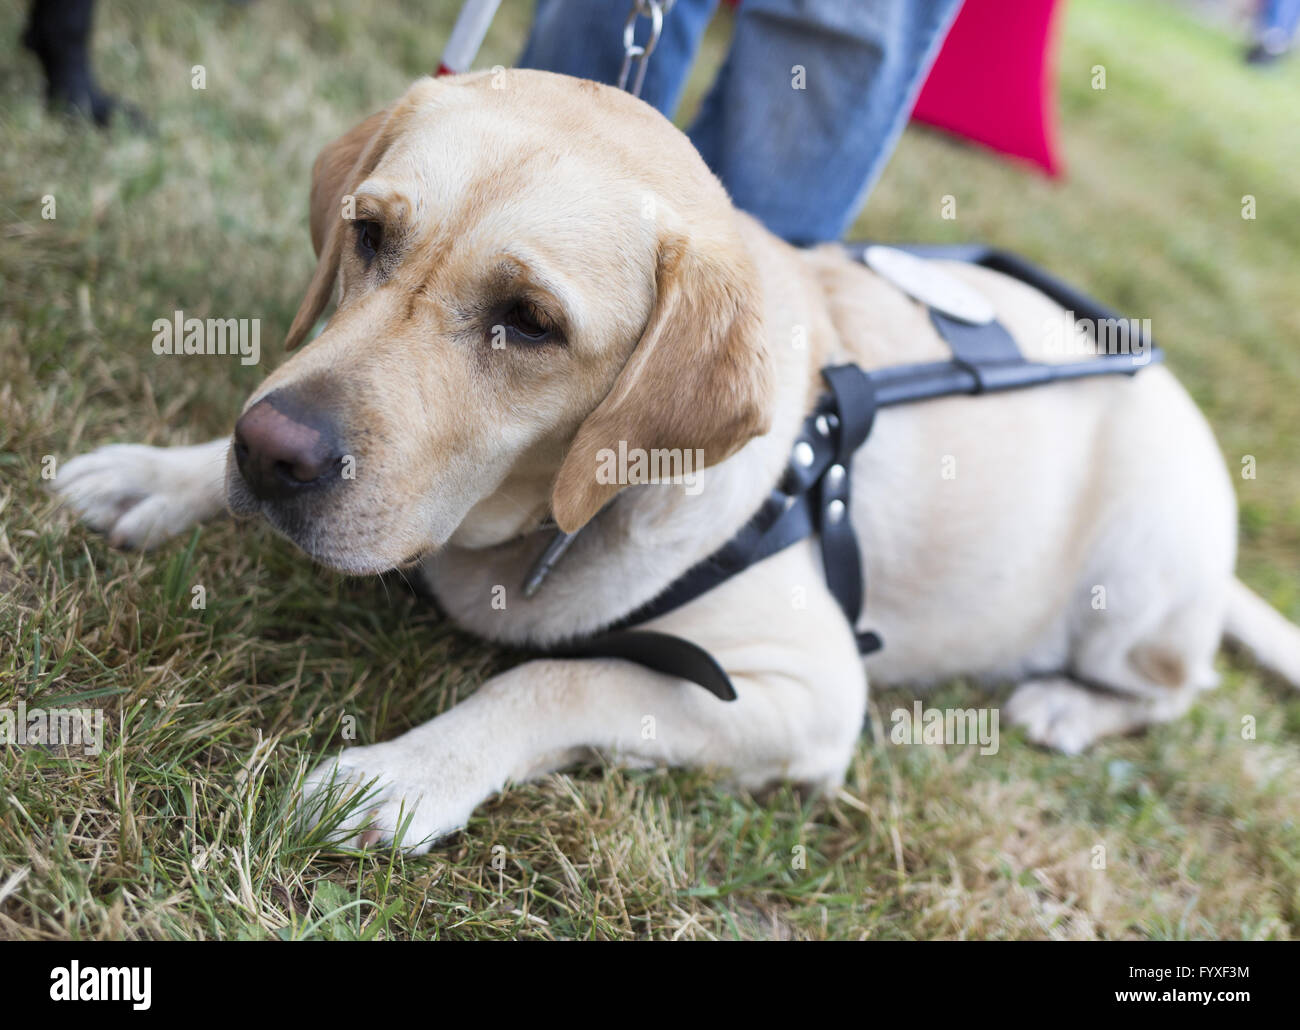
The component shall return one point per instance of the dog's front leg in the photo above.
(547, 714)
(141, 495)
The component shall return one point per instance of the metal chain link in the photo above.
(640, 53)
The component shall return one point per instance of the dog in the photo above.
(532, 271)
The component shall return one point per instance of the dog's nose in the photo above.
(283, 448)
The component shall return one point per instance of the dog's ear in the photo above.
(339, 169)
(700, 376)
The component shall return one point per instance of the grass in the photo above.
(176, 829)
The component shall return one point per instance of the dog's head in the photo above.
(530, 269)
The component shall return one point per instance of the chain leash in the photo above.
(639, 53)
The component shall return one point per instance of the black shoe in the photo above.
(1269, 49)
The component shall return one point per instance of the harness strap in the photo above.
(855, 403)
(661, 652)
(781, 521)
(987, 352)
(814, 495)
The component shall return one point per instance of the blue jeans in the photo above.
(1278, 18)
(804, 112)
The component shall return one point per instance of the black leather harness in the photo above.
(813, 496)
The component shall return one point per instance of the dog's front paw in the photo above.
(138, 495)
(384, 794)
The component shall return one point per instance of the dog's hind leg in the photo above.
(1063, 714)
(1150, 600)
(1124, 675)
(139, 495)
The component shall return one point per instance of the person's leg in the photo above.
(58, 32)
(1275, 29)
(810, 104)
(584, 38)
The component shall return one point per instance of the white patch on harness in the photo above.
(925, 281)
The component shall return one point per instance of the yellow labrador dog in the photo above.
(539, 270)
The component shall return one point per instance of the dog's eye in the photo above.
(526, 323)
(370, 237)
